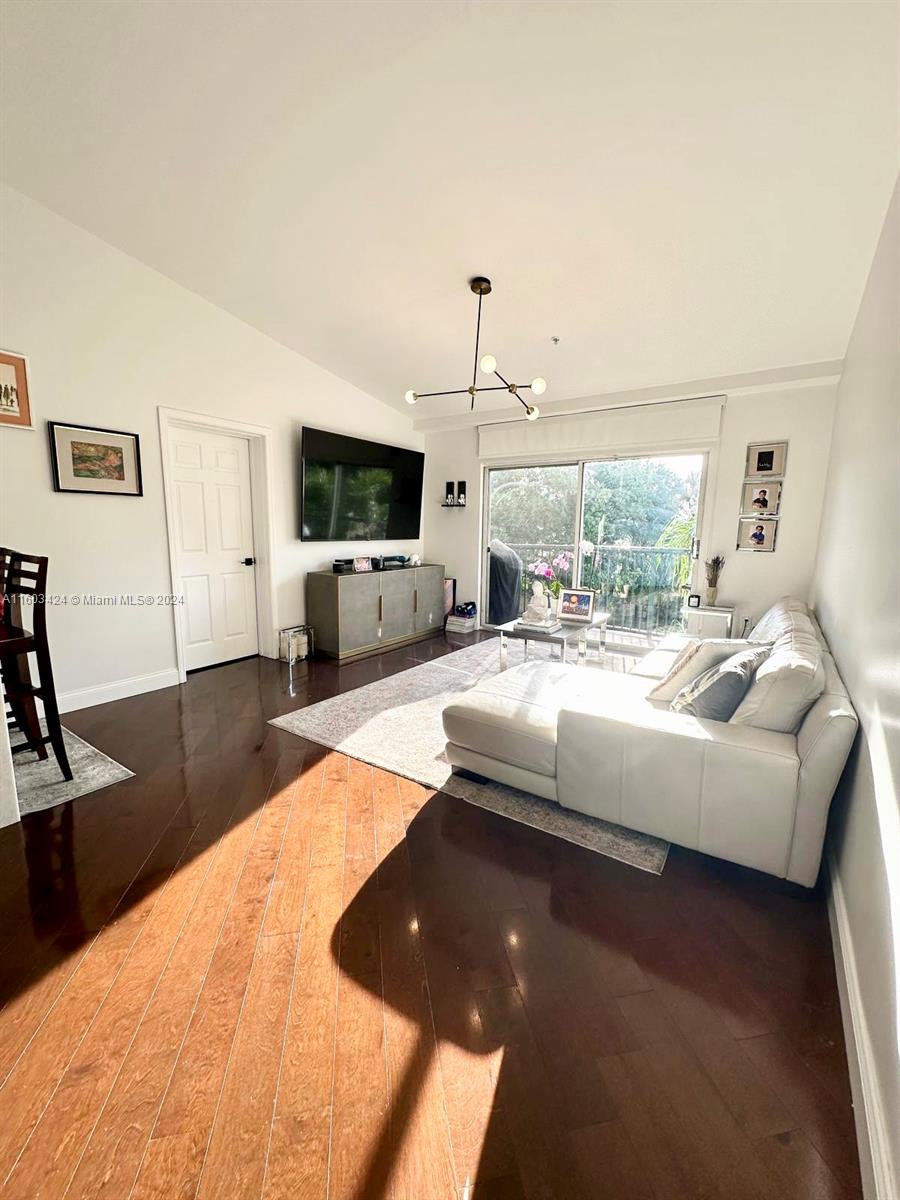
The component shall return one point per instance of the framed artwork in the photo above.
(15, 403)
(362, 564)
(758, 534)
(575, 604)
(761, 498)
(766, 459)
(104, 462)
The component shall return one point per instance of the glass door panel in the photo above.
(532, 516)
(638, 526)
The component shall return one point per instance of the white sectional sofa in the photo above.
(594, 741)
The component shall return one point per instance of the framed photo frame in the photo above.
(761, 498)
(575, 604)
(766, 460)
(757, 534)
(15, 400)
(89, 459)
(362, 563)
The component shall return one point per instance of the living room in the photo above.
(452, 739)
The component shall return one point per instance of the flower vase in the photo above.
(711, 593)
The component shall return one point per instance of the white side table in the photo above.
(708, 621)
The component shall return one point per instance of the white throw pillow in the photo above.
(717, 693)
(693, 660)
(788, 683)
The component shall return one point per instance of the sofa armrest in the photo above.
(727, 790)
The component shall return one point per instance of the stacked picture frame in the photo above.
(761, 497)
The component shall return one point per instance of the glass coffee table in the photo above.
(577, 632)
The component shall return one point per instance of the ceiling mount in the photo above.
(481, 286)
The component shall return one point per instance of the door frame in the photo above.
(259, 439)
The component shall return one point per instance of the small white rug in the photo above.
(395, 723)
(39, 782)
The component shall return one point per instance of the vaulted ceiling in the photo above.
(674, 190)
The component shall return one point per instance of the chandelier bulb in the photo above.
(532, 412)
(410, 397)
(488, 364)
(539, 386)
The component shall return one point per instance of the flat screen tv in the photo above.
(358, 491)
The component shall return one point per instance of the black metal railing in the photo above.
(641, 587)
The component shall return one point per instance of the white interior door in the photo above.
(214, 545)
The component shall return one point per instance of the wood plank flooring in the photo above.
(262, 970)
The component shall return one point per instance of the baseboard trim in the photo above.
(871, 1128)
(120, 689)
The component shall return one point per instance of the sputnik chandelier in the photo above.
(488, 364)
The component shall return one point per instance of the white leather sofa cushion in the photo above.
(776, 620)
(694, 660)
(786, 685)
(512, 716)
(656, 664)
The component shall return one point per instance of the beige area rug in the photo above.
(39, 782)
(395, 723)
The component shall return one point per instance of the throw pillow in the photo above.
(788, 683)
(691, 662)
(717, 693)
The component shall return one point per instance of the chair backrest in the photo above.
(23, 575)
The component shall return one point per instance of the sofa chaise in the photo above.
(596, 742)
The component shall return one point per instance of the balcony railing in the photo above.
(641, 587)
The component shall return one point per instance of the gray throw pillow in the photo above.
(717, 693)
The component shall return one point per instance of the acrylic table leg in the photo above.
(582, 649)
(504, 651)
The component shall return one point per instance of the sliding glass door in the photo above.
(638, 527)
(625, 528)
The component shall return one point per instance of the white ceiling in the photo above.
(674, 190)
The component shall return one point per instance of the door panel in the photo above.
(429, 598)
(397, 589)
(358, 624)
(214, 533)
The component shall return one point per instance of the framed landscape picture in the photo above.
(15, 403)
(762, 498)
(758, 534)
(105, 462)
(766, 459)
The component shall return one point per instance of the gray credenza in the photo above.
(361, 614)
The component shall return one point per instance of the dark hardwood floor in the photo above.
(260, 969)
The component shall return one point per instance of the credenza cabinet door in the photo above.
(360, 607)
(397, 595)
(429, 598)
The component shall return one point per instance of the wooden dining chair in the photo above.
(23, 578)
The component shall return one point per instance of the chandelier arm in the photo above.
(456, 392)
(505, 382)
(477, 343)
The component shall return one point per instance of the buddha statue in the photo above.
(539, 612)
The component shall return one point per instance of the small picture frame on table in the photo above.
(766, 460)
(363, 563)
(575, 604)
(694, 600)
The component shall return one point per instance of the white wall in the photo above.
(857, 597)
(802, 416)
(108, 340)
(800, 413)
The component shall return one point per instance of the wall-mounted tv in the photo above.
(358, 491)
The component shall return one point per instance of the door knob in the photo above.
(248, 562)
